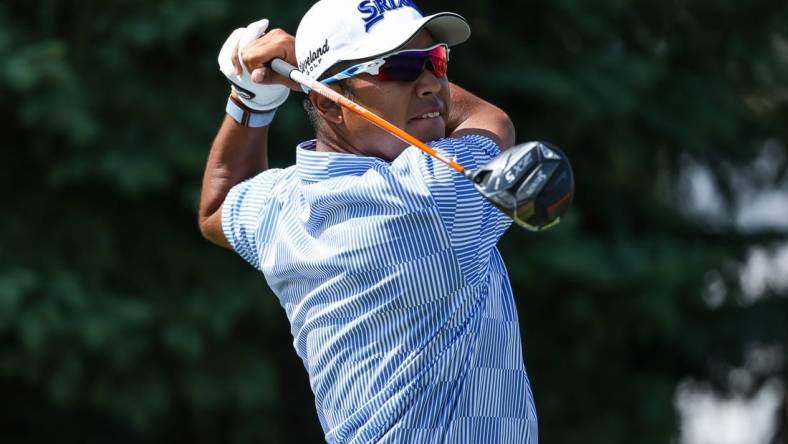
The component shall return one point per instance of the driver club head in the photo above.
(531, 182)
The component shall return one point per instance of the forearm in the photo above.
(470, 114)
(237, 153)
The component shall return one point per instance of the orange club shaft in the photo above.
(343, 101)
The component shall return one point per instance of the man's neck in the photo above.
(334, 144)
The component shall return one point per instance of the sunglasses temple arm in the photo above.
(290, 71)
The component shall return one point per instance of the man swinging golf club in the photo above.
(382, 255)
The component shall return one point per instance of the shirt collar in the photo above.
(314, 165)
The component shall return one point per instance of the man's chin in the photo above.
(427, 130)
(434, 136)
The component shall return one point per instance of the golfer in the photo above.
(383, 258)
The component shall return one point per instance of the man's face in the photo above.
(402, 103)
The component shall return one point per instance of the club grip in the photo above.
(281, 67)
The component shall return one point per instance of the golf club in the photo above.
(531, 182)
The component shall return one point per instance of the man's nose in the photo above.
(427, 83)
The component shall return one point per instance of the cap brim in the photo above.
(445, 27)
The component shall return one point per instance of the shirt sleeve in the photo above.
(243, 214)
(473, 222)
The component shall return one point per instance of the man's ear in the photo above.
(326, 108)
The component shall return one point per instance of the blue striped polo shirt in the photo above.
(399, 303)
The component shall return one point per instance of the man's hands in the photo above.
(243, 60)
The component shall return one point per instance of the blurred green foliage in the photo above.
(119, 323)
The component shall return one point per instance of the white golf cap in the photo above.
(338, 30)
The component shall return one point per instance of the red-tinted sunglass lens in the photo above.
(407, 66)
(438, 59)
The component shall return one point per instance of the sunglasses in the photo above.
(406, 65)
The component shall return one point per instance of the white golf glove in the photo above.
(258, 96)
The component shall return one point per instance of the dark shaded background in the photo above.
(119, 323)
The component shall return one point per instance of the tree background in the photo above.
(119, 323)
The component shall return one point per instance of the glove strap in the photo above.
(248, 117)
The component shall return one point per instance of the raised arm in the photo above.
(470, 114)
(239, 152)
